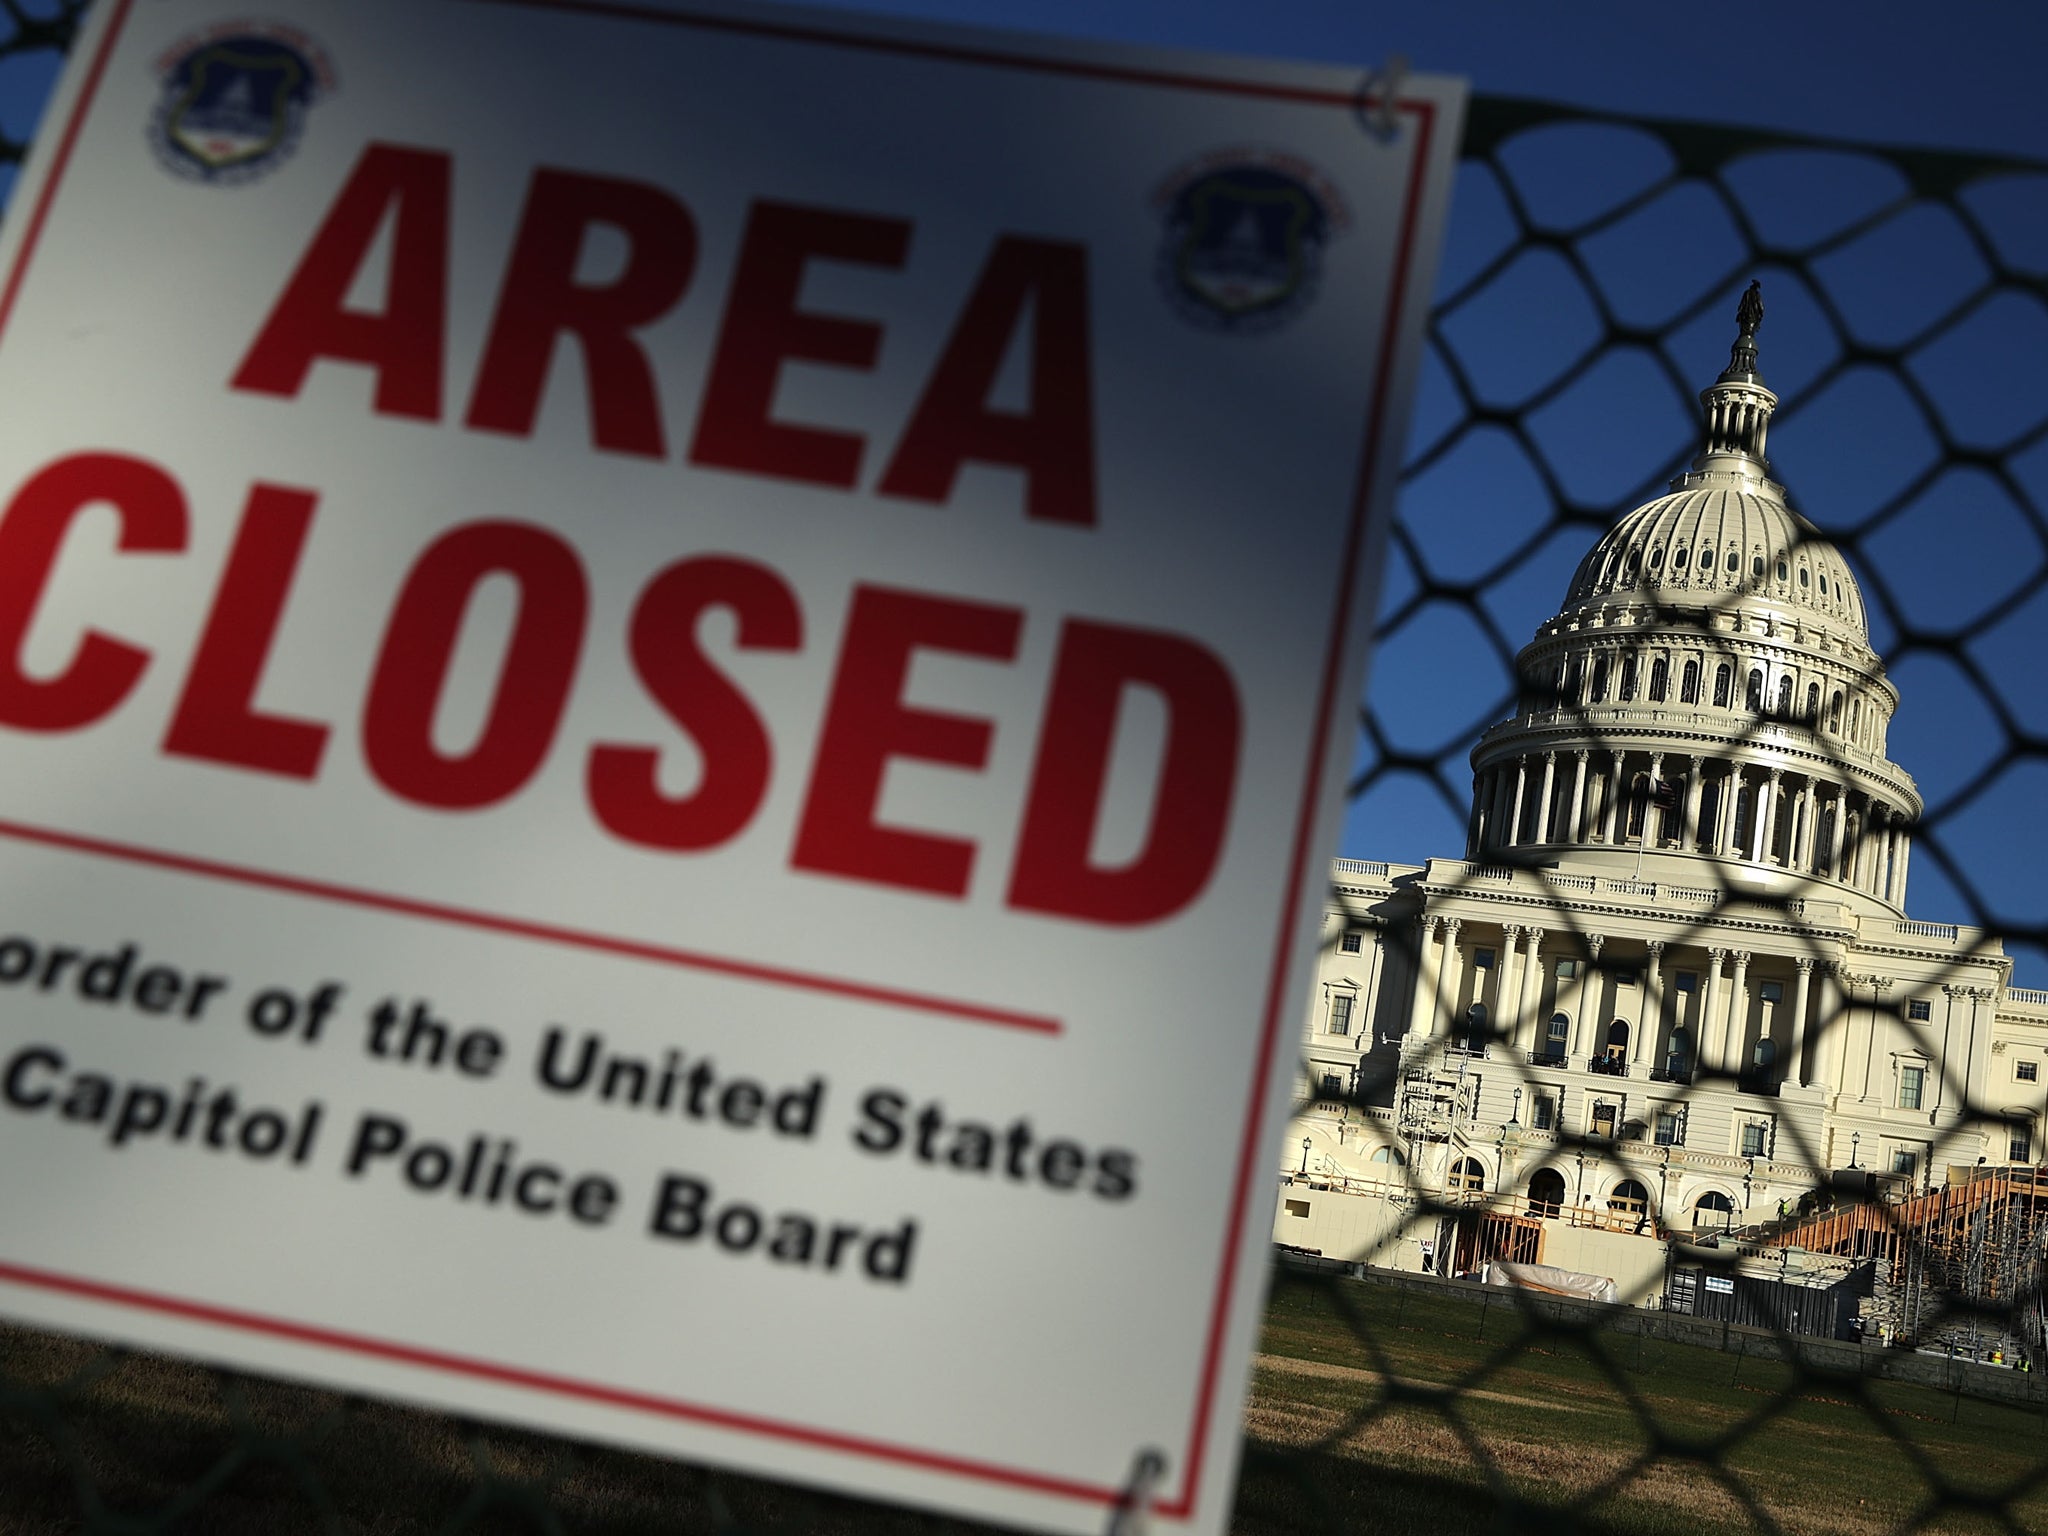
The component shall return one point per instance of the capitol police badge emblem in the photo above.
(1244, 237)
(234, 99)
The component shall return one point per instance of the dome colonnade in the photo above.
(1708, 690)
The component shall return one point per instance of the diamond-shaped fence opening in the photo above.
(1593, 266)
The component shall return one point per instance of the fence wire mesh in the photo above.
(1587, 292)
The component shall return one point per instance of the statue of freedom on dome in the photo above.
(1749, 314)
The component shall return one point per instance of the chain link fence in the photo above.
(1591, 275)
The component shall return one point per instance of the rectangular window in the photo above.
(1907, 1163)
(1351, 941)
(1687, 981)
(1920, 1010)
(1603, 1121)
(1546, 1113)
(1912, 1080)
(1333, 1086)
(1482, 959)
(1670, 1131)
(1340, 1014)
(1753, 1140)
(1624, 978)
(2026, 1071)
(1297, 1207)
(1773, 991)
(2021, 1146)
(1567, 969)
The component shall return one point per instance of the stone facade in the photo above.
(1672, 981)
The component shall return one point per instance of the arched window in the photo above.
(1599, 679)
(1657, 558)
(1724, 683)
(1559, 1033)
(1389, 1156)
(1784, 698)
(1546, 1192)
(1678, 558)
(1784, 570)
(1855, 715)
(1575, 680)
(1805, 577)
(1734, 562)
(1628, 678)
(1660, 673)
(1629, 1199)
(1467, 1177)
(1753, 697)
(1689, 684)
(1756, 566)
(1813, 703)
(1475, 1027)
(1713, 1209)
(1835, 713)
(1614, 1058)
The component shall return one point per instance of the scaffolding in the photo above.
(1960, 1266)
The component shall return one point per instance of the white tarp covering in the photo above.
(1550, 1280)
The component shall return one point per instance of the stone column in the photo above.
(1532, 992)
(1575, 1047)
(1450, 973)
(1689, 833)
(1613, 800)
(1905, 854)
(1731, 794)
(1650, 840)
(1837, 1000)
(1766, 818)
(1508, 984)
(1709, 1052)
(1889, 858)
(1809, 811)
(1514, 837)
(1841, 814)
(1826, 1032)
(1503, 791)
(1736, 1058)
(1653, 1002)
(1576, 832)
(1475, 825)
(1802, 1039)
(1422, 1007)
(1543, 806)
(1774, 795)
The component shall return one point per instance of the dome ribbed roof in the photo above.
(1722, 538)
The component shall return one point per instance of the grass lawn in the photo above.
(1390, 1412)
(1373, 1410)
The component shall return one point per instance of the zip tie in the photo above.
(1374, 103)
(1133, 1511)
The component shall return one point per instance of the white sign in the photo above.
(1720, 1283)
(673, 683)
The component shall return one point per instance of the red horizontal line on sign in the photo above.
(543, 1381)
(952, 53)
(546, 933)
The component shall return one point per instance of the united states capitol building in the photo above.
(1671, 988)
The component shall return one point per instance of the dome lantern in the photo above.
(1738, 405)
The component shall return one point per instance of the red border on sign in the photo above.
(1181, 1505)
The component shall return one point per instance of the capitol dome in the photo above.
(1723, 541)
(1707, 694)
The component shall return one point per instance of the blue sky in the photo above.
(1961, 76)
